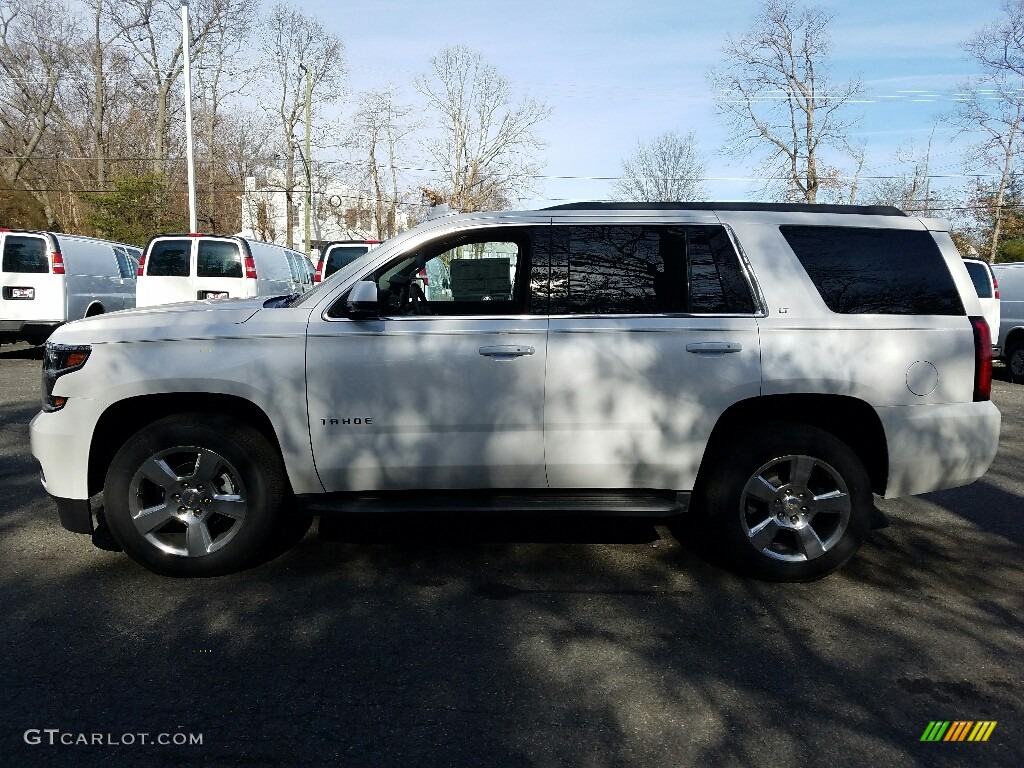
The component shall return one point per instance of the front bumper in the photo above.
(61, 442)
(938, 446)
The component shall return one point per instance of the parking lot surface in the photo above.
(452, 640)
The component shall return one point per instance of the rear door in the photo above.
(219, 272)
(167, 272)
(652, 337)
(29, 291)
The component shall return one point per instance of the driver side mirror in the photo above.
(362, 300)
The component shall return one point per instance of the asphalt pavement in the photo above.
(455, 641)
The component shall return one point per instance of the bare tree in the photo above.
(35, 38)
(775, 94)
(487, 149)
(291, 38)
(669, 168)
(381, 128)
(152, 28)
(994, 108)
(219, 75)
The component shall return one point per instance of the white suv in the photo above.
(768, 367)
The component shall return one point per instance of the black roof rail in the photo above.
(864, 210)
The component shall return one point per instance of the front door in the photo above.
(445, 389)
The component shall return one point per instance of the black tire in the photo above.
(1015, 361)
(195, 495)
(789, 502)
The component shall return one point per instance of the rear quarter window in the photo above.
(25, 254)
(876, 271)
(169, 258)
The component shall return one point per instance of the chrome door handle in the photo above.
(506, 351)
(714, 347)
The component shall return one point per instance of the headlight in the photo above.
(59, 359)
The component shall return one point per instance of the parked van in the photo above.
(1011, 307)
(987, 287)
(334, 256)
(187, 267)
(49, 278)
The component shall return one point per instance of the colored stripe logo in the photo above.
(958, 730)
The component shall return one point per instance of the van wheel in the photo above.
(1015, 360)
(789, 502)
(95, 309)
(194, 495)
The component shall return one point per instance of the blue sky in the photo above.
(618, 72)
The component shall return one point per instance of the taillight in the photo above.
(982, 359)
(250, 267)
(421, 275)
(142, 264)
(995, 287)
(319, 275)
(58, 263)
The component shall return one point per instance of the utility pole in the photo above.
(308, 159)
(190, 158)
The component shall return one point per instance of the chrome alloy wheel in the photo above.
(795, 508)
(187, 501)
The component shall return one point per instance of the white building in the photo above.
(339, 212)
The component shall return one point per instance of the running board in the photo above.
(610, 503)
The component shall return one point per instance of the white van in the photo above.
(192, 267)
(340, 254)
(987, 286)
(1011, 307)
(49, 278)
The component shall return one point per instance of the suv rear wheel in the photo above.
(194, 495)
(790, 502)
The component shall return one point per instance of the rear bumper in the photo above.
(932, 447)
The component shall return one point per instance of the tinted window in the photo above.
(218, 258)
(980, 278)
(876, 271)
(646, 270)
(25, 254)
(341, 256)
(169, 258)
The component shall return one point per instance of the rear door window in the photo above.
(218, 258)
(637, 270)
(876, 271)
(980, 278)
(25, 254)
(341, 256)
(169, 258)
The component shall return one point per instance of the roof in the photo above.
(863, 210)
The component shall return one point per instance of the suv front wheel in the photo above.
(194, 495)
(790, 502)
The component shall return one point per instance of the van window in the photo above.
(341, 256)
(169, 258)
(618, 270)
(25, 254)
(876, 271)
(980, 278)
(127, 266)
(218, 258)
